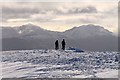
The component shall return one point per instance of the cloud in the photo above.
(26, 10)
(89, 9)
(78, 18)
(9, 13)
(63, 14)
(74, 10)
(43, 17)
(17, 20)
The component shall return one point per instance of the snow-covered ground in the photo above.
(59, 64)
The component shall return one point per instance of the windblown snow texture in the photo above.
(59, 64)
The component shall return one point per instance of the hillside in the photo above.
(88, 37)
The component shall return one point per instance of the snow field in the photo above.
(59, 64)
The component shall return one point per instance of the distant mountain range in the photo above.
(87, 37)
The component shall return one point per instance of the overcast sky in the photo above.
(60, 16)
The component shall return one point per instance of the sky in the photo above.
(60, 16)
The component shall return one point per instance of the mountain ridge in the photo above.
(87, 37)
(29, 24)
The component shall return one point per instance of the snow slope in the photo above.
(59, 64)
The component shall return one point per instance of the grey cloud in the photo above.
(77, 10)
(89, 9)
(25, 12)
(8, 13)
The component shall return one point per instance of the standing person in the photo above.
(63, 44)
(56, 45)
